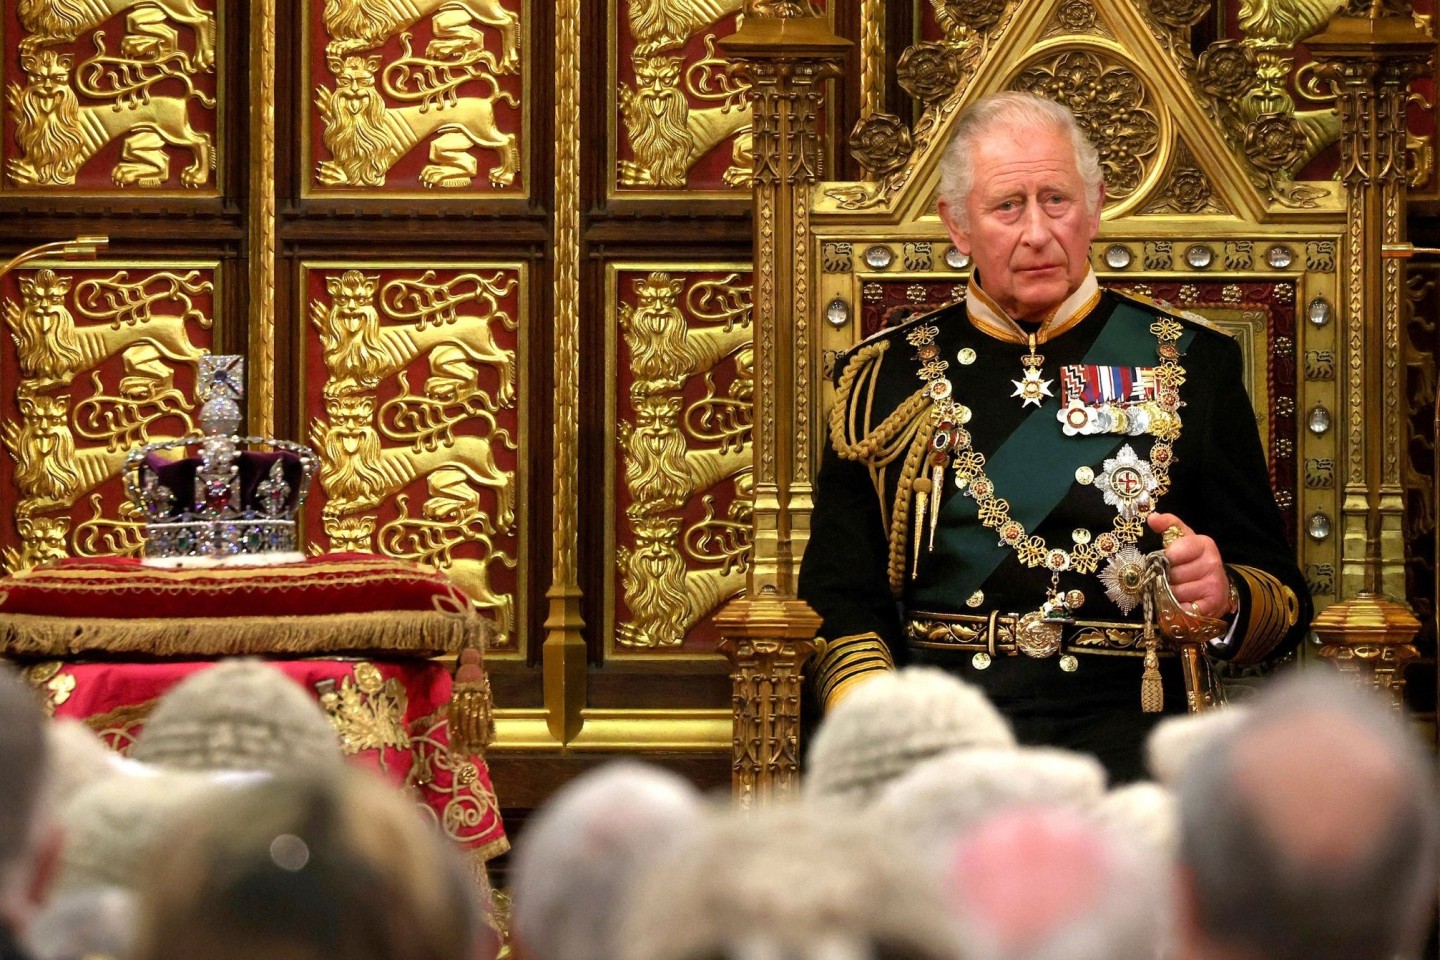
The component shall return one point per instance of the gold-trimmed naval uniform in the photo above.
(955, 597)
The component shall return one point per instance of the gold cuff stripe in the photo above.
(1273, 610)
(837, 692)
(849, 656)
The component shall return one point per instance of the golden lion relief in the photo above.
(359, 352)
(664, 350)
(42, 540)
(61, 21)
(667, 135)
(366, 136)
(358, 474)
(52, 349)
(666, 24)
(57, 136)
(653, 574)
(363, 24)
(49, 471)
(665, 600)
(655, 467)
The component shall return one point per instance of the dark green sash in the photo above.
(1032, 469)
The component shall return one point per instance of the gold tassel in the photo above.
(472, 716)
(1152, 694)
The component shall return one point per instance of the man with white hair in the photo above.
(1309, 833)
(788, 882)
(578, 856)
(902, 719)
(947, 795)
(999, 467)
(29, 841)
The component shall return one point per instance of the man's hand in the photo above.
(1197, 574)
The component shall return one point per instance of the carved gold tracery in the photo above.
(1114, 107)
(684, 417)
(153, 88)
(106, 361)
(417, 374)
(418, 95)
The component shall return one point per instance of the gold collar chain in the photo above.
(951, 447)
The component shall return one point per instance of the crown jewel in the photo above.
(225, 503)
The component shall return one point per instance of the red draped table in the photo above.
(104, 638)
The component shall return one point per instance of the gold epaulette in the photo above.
(1169, 309)
(843, 357)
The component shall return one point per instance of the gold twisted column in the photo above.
(261, 257)
(1370, 53)
(564, 654)
(786, 51)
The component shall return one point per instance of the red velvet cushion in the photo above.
(329, 604)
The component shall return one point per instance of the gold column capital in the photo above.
(1370, 638)
(768, 641)
(795, 39)
(1369, 38)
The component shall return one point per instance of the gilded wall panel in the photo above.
(415, 402)
(112, 95)
(411, 96)
(679, 121)
(95, 362)
(679, 458)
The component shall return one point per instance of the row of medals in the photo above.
(1128, 483)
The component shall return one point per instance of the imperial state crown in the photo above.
(227, 502)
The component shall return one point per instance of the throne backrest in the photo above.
(1194, 216)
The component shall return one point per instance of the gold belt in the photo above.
(1031, 635)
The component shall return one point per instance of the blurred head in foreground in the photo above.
(1309, 832)
(947, 795)
(886, 726)
(1041, 883)
(239, 715)
(335, 868)
(581, 852)
(29, 840)
(790, 883)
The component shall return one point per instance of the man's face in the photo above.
(1030, 226)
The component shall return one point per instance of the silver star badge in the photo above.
(1032, 388)
(1128, 483)
(1123, 576)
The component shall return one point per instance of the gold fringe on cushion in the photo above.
(423, 633)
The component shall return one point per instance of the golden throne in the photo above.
(1280, 222)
